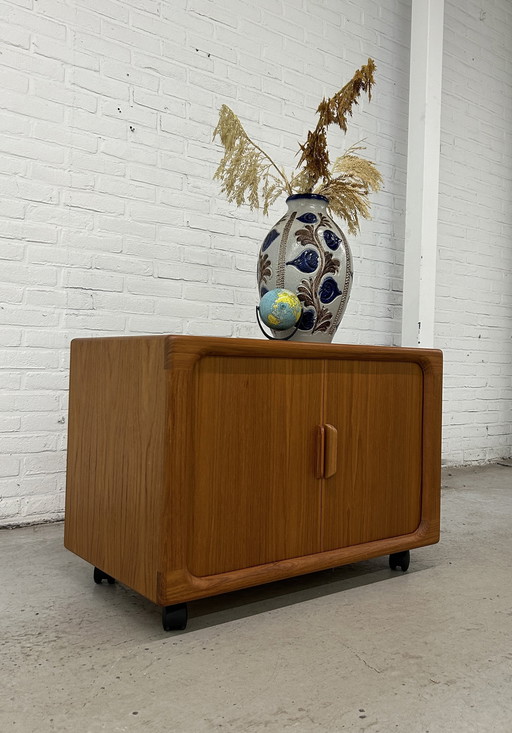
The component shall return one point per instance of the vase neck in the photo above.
(307, 202)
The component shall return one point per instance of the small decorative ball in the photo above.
(280, 309)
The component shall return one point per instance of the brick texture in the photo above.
(474, 280)
(111, 223)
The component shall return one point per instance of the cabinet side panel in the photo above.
(376, 493)
(115, 457)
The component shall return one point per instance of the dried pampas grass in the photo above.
(250, 176)
(348, 192)
(245, 168)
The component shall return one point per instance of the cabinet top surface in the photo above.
(197, 347)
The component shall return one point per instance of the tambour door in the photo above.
(255, 496)
(375, 410)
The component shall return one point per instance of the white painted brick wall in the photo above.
(474, 281)
(111, 224)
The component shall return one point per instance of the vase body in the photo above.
(307, 253)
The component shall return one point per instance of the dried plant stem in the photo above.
(287, 186)
(247, 172)
(336, 109)
(250, 176)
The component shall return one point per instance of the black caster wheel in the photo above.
(174, 618)
(400, 560)
(99, 576)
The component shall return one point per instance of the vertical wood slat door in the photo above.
(256, 498)
(375, 493)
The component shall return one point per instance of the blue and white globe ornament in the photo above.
(280, 309)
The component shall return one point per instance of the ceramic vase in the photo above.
(307, 253)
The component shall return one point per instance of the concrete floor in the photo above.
(358, 648)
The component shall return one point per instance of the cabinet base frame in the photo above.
(180, 585)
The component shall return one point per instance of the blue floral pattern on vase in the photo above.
(331, 240)
(329, 290)
(307, 218)
(306, 262)
(307, 320)
(273, 234)
(310, 290)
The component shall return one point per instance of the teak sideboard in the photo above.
(199, 465)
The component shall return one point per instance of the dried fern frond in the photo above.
(340, 105)
(245, 169)
(336, 109)
(316, 156)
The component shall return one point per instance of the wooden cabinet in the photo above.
(199, 465)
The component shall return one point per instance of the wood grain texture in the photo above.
(116, 437)
(320, 451)
(185, 350)
(193, 462)
(255, 496)
(376, 491)
(331, 450)
(180, 585)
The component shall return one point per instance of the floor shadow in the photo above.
(221, 609)
(240, 604)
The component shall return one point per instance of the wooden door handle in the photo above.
(331, 451)
(320, 451)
